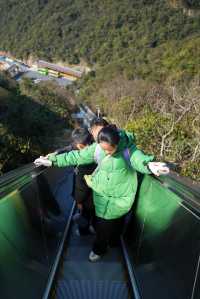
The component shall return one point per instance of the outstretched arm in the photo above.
(143, 163)
(76, 157)
(139, 160)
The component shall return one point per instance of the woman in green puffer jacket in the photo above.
(114, 182)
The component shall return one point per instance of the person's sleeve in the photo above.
(139, 160)
(76, 157)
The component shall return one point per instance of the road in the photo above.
(35, 75)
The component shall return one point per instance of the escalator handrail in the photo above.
(54, 268)
(18, 178)
(188, 190)
(130, 269)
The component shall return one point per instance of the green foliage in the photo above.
(146, 128)
(138, 38)
(191, 3)
(149, 129)
(7, 83)
(135, 48)
(191, 169)
(32, 117)
(180, 60)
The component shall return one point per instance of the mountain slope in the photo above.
(145, 57)
(92, 30)
(31, 118)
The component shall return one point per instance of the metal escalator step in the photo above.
(79, 254)
(112, 271)
(86, 289)
(74, 239)
(79, 241)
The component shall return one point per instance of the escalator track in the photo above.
(109, 278)
(167, 212)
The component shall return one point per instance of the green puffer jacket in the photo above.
(114, 182)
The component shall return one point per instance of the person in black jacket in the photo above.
(80, 138)
(82, 193)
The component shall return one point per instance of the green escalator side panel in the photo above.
(15, 224)
(156, 206)
(164, 236)
(20, 250)
(30, 232)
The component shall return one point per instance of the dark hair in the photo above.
(109, 134)
(81, 135)
(98, 121)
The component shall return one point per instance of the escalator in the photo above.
(80, 278)
(41, 256)
(77, 277)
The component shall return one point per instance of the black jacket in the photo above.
(82, 193)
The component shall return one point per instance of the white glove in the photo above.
(43, 161)
(158, 168)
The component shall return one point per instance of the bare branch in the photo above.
(196, 152)
(171, 129)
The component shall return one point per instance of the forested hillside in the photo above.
(186, 3)
(31, 118)
(148, 38)
(145, 61)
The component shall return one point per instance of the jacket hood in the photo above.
(127, 140)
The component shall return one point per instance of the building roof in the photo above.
(60, 69)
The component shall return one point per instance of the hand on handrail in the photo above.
(43, 161)
(158, 168)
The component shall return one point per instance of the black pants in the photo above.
(83, 195)
(86, 218)
(107, 233)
